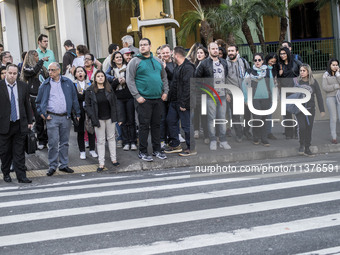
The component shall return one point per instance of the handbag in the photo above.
(31, 143)
(88, 125)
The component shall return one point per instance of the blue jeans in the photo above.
(58, 131)
(174, 115)
(334, 113)
(217, 111)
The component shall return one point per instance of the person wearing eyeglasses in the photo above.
(289, 68)
(56, 99)
(261, 80)
(147, 81)
(89, 66)
(6, 58)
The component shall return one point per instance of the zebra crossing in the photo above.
(178, 212)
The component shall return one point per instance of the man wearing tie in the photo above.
(15, 120)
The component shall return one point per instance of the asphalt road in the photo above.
(178, 211)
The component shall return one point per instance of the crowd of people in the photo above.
(133, 94)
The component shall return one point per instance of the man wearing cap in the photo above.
(69, 56)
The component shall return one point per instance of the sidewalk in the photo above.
(244, 151)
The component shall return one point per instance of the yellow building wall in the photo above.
(326, 21)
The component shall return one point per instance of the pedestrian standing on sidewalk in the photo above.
(125, 102)
(217, 69)
(289, 68)
(69, 55)
(89, 66)
(179, 107)
(34, 74)
(101, 107)
(237, 67)
(43, 52)
(16, 119)
(199, 119)
(261, 80)
(82, 83)
(148, 84)
(305, 122)
(56, 99)
(331, 85)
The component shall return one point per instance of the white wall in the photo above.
(71, 22)
(10, 29)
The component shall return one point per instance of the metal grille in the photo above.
(315, 52)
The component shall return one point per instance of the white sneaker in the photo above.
(181, 139)
(213, 145)
(225, 145)
(133, 147)
(196, 134)
(82, 155)
(93, 154)
(40, 146)
(126, 147)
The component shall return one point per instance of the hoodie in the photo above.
(146, 77)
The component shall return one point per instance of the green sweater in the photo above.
(146, 77)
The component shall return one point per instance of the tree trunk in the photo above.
(283, 29)
(231, 39)
(206, 32)
(248, 36)
(260, 36)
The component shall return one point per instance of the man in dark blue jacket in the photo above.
(56, 99)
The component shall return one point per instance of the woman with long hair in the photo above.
(261, 80)
(331, 85)
(2, 72)
(305, 122)
(289, 68)
(34, 73)
(82, 83)
(101, 107)
(201, 54)
(125, 102)
(191, 55)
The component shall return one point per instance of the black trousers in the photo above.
(12, 148)
(39, 124)
(81, 134)
(305, 127)
(128, 127)
(261, 132)
(149, 117)
(239, 129)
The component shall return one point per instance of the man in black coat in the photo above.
(15, 120)
(179, 107)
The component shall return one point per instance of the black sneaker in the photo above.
(265, 143)
(159, 155)
(256, 141)
(308, 153)
(50, 172)
(187, 153)
(248, 135)
(301, 150)
(145, 157)
(66, 170)
(170, 149)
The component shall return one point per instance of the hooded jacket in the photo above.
(146, 77)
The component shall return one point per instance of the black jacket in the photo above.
(32, 76)
(205, 68)
(25, 110)
(68, 58)
(181, 83)
(92, 106)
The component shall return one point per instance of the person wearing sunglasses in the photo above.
(261, 80)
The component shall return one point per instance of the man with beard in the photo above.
(216, 69)
(237, 67)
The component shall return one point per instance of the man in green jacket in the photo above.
(148, 84)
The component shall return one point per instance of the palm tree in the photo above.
(198, 18)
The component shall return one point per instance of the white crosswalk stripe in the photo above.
(36, 218)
